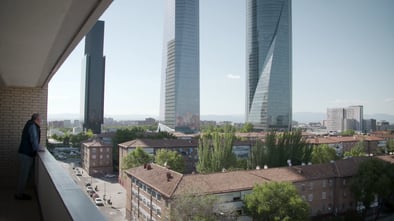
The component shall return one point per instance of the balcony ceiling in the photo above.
(37, 36)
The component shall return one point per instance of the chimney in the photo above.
(169, 176)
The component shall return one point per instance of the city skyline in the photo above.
(269, 62)
(339, 59)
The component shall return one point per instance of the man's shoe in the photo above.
(22, 196)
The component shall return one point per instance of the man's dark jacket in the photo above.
(30, 139)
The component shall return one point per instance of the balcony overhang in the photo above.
(36, 37)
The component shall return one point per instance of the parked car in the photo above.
(99, 201)
(89, 189)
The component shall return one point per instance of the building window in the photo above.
(344, 194)
(330, 182)
(93, 156)
(323, 195)
(236, 198)
(311, 185)
(302, 187)
(310, 197)
(344, 182)
(324, 183)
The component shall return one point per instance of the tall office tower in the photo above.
(93, 76)
(269, 64)
(180, 87)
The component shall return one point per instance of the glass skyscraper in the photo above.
(180, 87)
(269, 64)
(93, 77)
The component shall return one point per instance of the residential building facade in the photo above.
(93, 78)
(180, 83)
(326, 187)
(269, 64)
(96, 156)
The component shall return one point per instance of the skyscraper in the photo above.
(93, 76)
(180, 87)
(269, 64)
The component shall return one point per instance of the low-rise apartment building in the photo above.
(341, 144)
(151, 188)
(96, 156)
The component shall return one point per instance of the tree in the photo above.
(78, 138)
(357, 151)
(194, 207)
(257, 155)
(323, 154)
(248, 127)
(276, 201)
(390, 146)
(374, 178)
(215, 152)
(287, 146)
(349, 132)
(171, 159)
(136, 158)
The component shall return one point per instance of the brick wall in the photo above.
(16, 107)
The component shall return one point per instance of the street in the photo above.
(108, 188)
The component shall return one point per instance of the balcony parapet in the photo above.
(60, 198)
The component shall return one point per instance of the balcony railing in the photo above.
(60, 198)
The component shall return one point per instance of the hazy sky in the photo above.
(343, 54)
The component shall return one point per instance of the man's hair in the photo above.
(35, 116)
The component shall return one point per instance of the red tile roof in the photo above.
(218, 182)
(156, 177)
(232, 181)
(160, 143)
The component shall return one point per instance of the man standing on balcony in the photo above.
(30, 144)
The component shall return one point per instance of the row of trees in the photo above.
(163, 157)
(73, 139)
(215, 151)
(281, 150)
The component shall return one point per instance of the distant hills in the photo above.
(302, 117)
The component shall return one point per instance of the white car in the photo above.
(99, 201)
(89, 189)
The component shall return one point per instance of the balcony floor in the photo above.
(15, 210)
